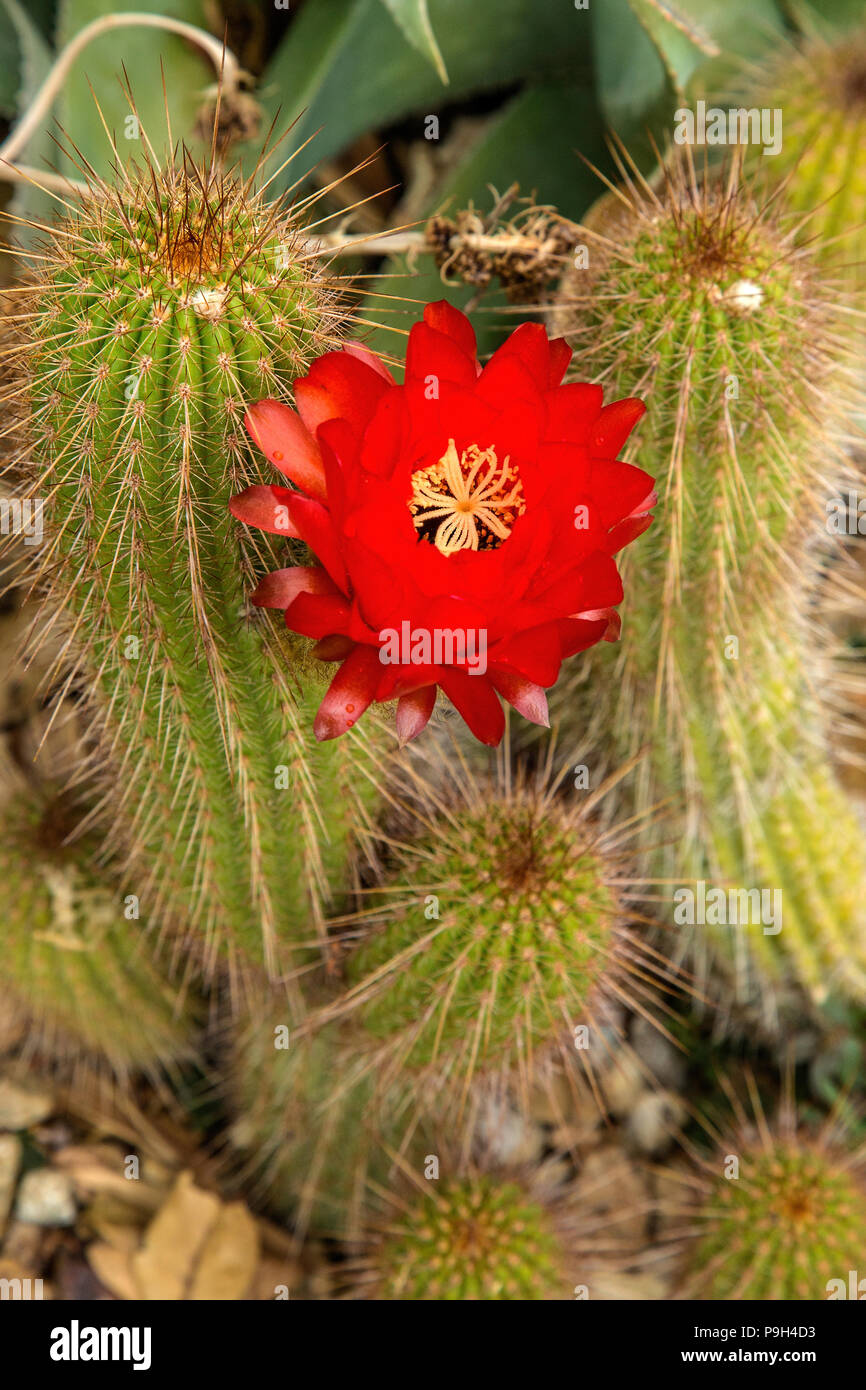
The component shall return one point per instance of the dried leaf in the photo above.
(229, 1258)
(174, 1241)
(113, 1268)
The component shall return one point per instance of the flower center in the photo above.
(468, 501)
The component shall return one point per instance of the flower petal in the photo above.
(267, 508)
(280, 588)
(349, 694)
(285, 440)
(523, 695)
(414, 711)
(365, 355)
(446, 319)
(614, 425)
(475, 699)
(339, 386)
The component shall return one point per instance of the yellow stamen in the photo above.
(468, 501)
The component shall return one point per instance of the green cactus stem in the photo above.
(78, 966)
(698, 297)
(155, 312)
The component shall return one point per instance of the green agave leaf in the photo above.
(691, 35)
(414, 19)
(188, 74)
(534, 142)
(635, 90)
(345, 67)
(650, 52)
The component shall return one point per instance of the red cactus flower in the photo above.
(465, 522)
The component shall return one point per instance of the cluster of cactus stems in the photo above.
(500, 929)
(702, 298)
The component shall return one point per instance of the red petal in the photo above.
(432, 354)
(576, 635)
(339, 386)
(280, 588)
(335, 647)
(414, 711)
(525, 696)
(365, 355)
(267, 508)
(475, 699)
(530, 345)
(535, 654)
(572, 410)
(446, 319)
(560, 356)
(627, 531)
(610, 617)
(614, 425)
(349, 693)
(318, 615)
(285, 440)
(314, 525)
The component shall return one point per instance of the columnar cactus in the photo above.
(820, 90)
(700, 290)
(77, 967)
(304, 1119)
(156, 312)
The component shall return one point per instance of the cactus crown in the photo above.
(503, 930)
(473, 1238)
(793, 1219)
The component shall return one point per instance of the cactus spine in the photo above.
(707, 298)
(157, 311)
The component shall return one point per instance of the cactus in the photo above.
(84, 978)
(503, 937)
(791, 1219)
(305, 1118)
(154, 312)
(821, 91)
(471, 1236)
(700, 289)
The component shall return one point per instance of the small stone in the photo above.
(623, 1083)
(45, 1198)
(10, 1159)
(22, 1106)
(653, 1123)
(665, 1061)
